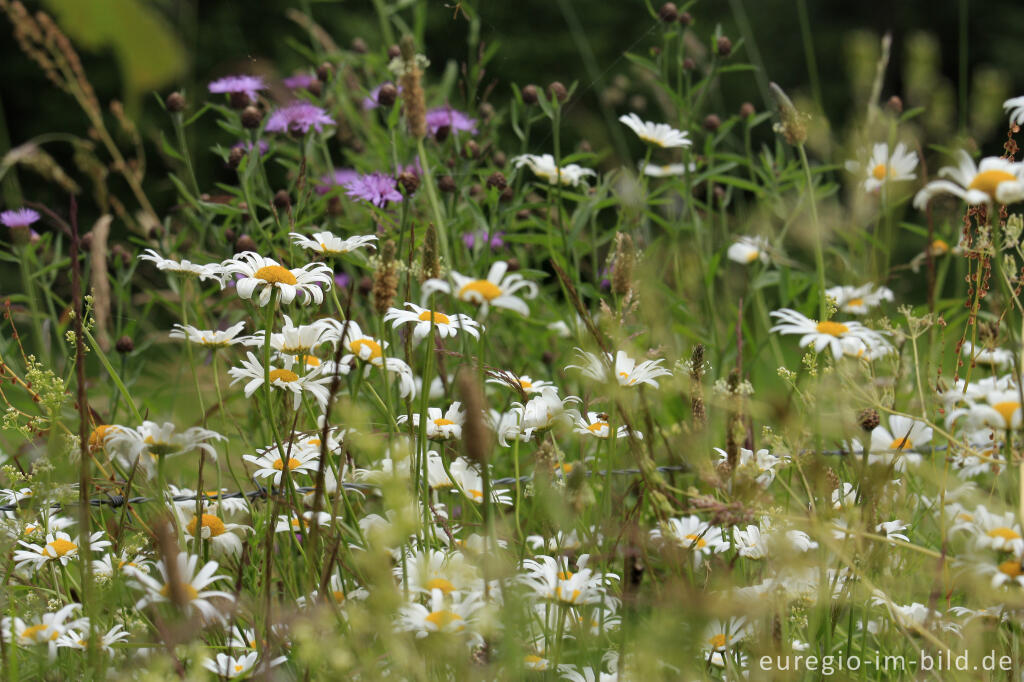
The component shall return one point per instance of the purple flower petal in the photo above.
(298, 117)
(22, 217)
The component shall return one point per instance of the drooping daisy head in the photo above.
(746, 250)
(544, 167)
(993, 180)
(659, 134)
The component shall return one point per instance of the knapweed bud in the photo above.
(442, 133)
(689, 64)
(747, 110)
(409, 182)
(557, 91)
(387, 95)
(245, 243)
(235, 157)
(385, 278)
(895, 105)
(685, 18)
(394, 51)
(324, 72)
(281, 200)
(513, 264)
(446, 183)
(712, 122)
(175, 103)
(431, 262)
(499, 159)
(868, 419)
(668, 12)
(507, 195)
(359, 45)
(530, 94)
(497, 179)
(251, 118)
(316, 88)
(125, 345)
(486, 111)
(723, 46)
(472, 149)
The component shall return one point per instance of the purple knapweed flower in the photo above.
(453, 119)
(246, 85)
(298, 117)
(299, 81)
(246, 146)
(22, 217)
(494, 241)
(340, 177)
(342, 280)
(377, 188)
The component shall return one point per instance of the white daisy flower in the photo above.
(690, 533)
(859, 300)
(543, 166)
(746, 250)
(596, 424)
(330, 244)
(439, 426)
(994, 179)
(210, 338)
(222, 536)
(282, 378)
(270, 463)
(527, 384)
(842, 338)
(443, 615)
(336, 594)
(722, 635)
(627, 371)
(299, 524)
(160, 440)
(239, 667)
(893, 529)
(432, 569)
(58, 547)
(988, 530)
(264, 275)
(882, 167)
(469, 480)
(72, 639)
(666, 170)
(1015, 108)
(898, 442)
(47, 631)
(845, 496)
(497, 290)
(296, 339)
(111, 565)
(551, 579)
(185, 267)
(192, 587)
(659, 134)
(1002, 411)
(539, 413)
(447, 325)
(762, 464)
(999, 358)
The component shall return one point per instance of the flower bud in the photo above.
(324, 72)
(359, 45)
(282, 201)
(387, 95)
(235, 157)
(175, 102)
(497, 179)
(530, 94)
(409, 182)
(446, 183)
(747, 110)
(394, 51)
(499, 159)
(712, 122)
(723, 46)
(557, 91)
(668, 12)
(245, 243)
(868, 419)
(685, 18)
(251, 118)
(125, 345)
(895, 105)
(689, 64)
(238, 100)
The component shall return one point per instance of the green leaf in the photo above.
(149, 52)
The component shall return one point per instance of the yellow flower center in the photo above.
(338, 595)
(238, 668)
(61, 547)
(488, 290)
(1011, 568)
(373, 346)
(988, 181)
(1004, 533)
(753, 255)
(477, 495)
(535, 660)
(279, 464)
(275, 274)
(527, 385)
(443, 422)
(438, 318)
(696, 541)
(33, 631)
(440, 584)
(718, 641)
(210, 521)
(879, 172)
(597, 426)
(901, 444)
(285, 375)
(189, 591)
(939, 247)
(855, 303)
(832, 328)
(1006, 410)
(310, 360)
(313, 441)
(571, 598)
(565, 575)
(442, 618)
(99, 435)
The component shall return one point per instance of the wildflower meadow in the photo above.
(366, 364)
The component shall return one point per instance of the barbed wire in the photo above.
(261, 492)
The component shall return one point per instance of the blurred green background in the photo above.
(944, 55)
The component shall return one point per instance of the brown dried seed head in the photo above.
(385, 278)
(625, 261)
(476, 437)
